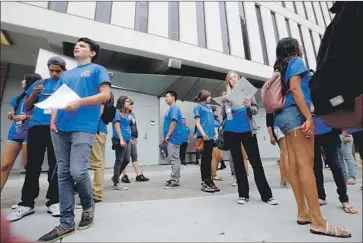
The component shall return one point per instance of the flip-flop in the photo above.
(303, 222)
(331, 231)
(350, 210)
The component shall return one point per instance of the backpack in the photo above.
(109, 111)
(271, 94)
(220, 139)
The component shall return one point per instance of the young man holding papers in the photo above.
(73, 130)
(39, 140)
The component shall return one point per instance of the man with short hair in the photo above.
(73, 130)
(39, 141)
(173, 136)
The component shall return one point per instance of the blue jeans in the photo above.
(72, 150)
(347, 162)
(289, 119)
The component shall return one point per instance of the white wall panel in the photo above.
(234, 29)
(281, 26)
(253, 32)
(310, 11)
(123, 14)
(308, 47)
(279, 3)
(300, 9)
(213, 26)
(82, 9)
(330, 4)
(188, 22)
(317, 41)
(325, 12)
(158, 18)
(319, 14)
(269, 35)
(290, 6)
(295, 33)
(43, 4)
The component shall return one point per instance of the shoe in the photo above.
(56, 234)
(169, 184)
(141, 178)
(272, 201)
(234, 182)
(206, 186)
(216, 189)
(118, 187)
(283, 184)
(183, 163)
(54, 210)
(350, 182)
(217, 178)
(87, 219)
(97, 201)
(14, 206)
(20, 212)
(222, 167)
(125, 179)
(242, 200)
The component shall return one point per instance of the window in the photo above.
(288, 27)
(294, 5)
(312, 41)
(305, 11)
(303, 46)
(283, 4)
(173, 21)
(262, 35)
(58, 6)
(326, 3)
(202, 41)
(322, 13)
(103, 12)
(141, 16)
(224, 27)
(274, 24)
(246, 44)
(316, 17)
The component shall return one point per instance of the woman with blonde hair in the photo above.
(240, 127)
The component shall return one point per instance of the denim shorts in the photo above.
(20, 141)
(289, 119)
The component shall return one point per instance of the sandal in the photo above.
(332, 231)
(303, 222)
(349, 209)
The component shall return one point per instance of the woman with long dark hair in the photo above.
(121, 139)
(18, 131)
(204, 121)
(295, 78)
(241, 128)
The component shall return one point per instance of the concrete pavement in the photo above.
(148, 213)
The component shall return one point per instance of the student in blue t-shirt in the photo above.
(18, 131)
(295, 78)
(121, 139)
(39, 141)
(204, 121)
(73, 130)
(328, 139)
(173, 137)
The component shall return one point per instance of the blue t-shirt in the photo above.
(186, 132)
(124, 126)
(41, 117)
(297, 67)
(216, 123)
(174, 114)
(102, 127)
(206, 117)
(240, 122)
(85, 80)
(320, 126)
(19, 130)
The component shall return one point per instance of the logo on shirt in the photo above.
(86, 74)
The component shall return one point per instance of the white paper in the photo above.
(243, 90)
(59, 99)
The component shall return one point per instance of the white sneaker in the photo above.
(19, 212)
(119, 188)
(242, 200)
(234, 182)
(272, 201)
(54, 210)
(15, 206)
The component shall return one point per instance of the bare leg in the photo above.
(24, 151)
(284, 161)
(136, 168)
(124, 172)
(215, 160)
(245, 159)
(11, 152)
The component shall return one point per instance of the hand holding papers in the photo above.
(59, 99)
(242, 91)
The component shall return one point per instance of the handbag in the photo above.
(220, 139)
(199, 145)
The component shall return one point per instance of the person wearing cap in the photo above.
(73, 131)
(39, 141)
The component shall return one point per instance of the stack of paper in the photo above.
(243, 90)
(59, 99)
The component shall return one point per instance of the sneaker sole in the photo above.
(30, 213)
(167, 187)
(85, 227)
(55, 216)
(209, 191)
(59, 237)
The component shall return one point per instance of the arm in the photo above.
(295, 89)
(116, 125)
(171, 128)
(253, 107)
(29, 103)
(199, 127)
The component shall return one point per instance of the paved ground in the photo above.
(148, 213)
